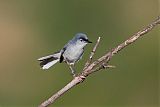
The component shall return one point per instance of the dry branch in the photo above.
(100, 63)
(92, 54)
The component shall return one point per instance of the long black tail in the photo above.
(48, 61)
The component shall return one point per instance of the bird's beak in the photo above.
(88, 41)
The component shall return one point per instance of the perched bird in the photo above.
(70, 53)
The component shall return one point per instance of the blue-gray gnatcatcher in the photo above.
(70, 53)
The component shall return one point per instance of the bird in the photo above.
(70, 53)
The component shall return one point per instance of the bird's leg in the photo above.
(71, 66)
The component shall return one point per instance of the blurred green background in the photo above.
(30, 29)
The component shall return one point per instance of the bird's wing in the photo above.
(63, 50)
(61, 57)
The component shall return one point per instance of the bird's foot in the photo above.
(83, 77)
(74, 75)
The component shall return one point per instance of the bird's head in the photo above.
(81, 39)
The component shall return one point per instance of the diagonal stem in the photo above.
(99, 62)
(92, 53)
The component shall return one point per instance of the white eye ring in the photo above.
(81, 40)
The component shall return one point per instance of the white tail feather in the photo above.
(45, 57)
(48, 65)
(53, 55)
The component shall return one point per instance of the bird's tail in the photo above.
(48, 61)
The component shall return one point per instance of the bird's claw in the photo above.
(74, 75)
(83, 77)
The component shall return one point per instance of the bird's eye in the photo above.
(81, 40)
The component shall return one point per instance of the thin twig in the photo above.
(99, 63)
(92, 53)
(106, 58)
(103, 66)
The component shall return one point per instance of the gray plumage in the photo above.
(70, 53)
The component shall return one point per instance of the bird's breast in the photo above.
(73, 54)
